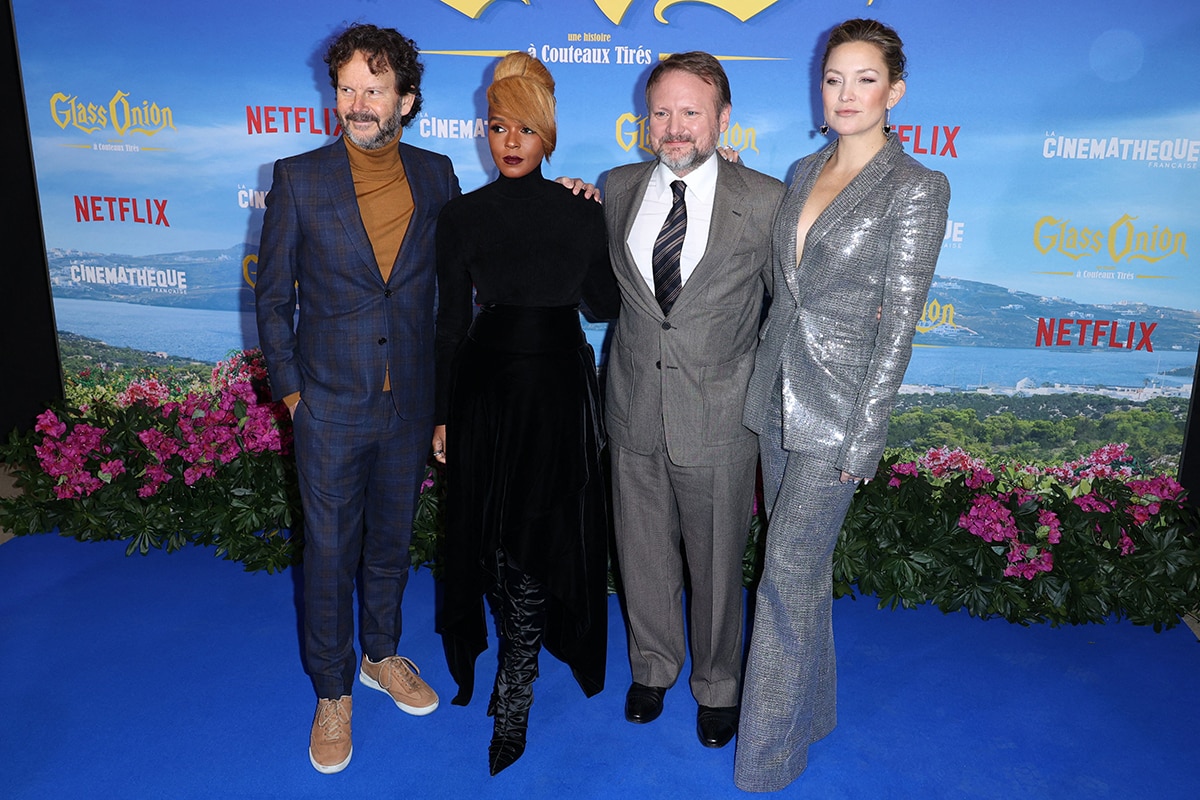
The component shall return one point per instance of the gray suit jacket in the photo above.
(688, 375)
(876, 244)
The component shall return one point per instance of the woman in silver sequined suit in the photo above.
(855, 245)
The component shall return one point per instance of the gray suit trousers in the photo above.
(790, 696)
(656, 504)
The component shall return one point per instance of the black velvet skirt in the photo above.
(524, 439)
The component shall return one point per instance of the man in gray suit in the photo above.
(689, 238)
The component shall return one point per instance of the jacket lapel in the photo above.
(786, 244)
(626, 213)
(418, 177)
(339, 183)
(843, 204)
(724, 230)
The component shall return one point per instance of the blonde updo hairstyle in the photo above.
(523, 89)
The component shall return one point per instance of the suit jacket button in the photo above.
(658, 365)
(666, 325)
(383, 340)
(387, 292)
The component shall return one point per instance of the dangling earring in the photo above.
(824, 129)
(887, 120)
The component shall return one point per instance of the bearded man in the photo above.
(348, 235)
(689, 239)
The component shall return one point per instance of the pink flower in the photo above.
(1126, 544)
(989, 519)
(198, 471)
(1093, 502)
(979, 476)
(1141, 514)
(1026, 562)
(155, 476)
(160, 445)
(148, 391)
(907, 468)
(111, 469)
(49, 424)
(941, 460)
(1160, 487)
(1049, 520)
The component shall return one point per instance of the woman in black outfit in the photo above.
(521, 427)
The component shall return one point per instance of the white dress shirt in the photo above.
(656, 204)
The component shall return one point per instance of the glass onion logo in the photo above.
(117, 114)
(936, 315)
(1121, 241)
(634, 131)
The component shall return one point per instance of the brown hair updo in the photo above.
(874, 32)
(523, 89)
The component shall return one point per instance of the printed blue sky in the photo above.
(1008, 74)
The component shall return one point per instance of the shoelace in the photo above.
(395, 666)
(332, 720)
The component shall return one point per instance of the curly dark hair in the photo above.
(385, 49)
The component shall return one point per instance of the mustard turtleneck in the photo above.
(385, 200)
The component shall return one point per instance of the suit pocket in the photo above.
(724, 389)
(841, 340)
(619, 392)
(736, 286)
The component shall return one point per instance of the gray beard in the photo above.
(683, 166)
(389, 131)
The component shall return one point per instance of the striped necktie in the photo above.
(668, 247)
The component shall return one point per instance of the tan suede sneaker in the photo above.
(329, 747)
(400, 679)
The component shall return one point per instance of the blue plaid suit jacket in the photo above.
(352, 326)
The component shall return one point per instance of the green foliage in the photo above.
(1041, 428)
(1123, 546)
(96, 372)
(429, 523)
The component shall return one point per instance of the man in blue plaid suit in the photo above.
(349, 236)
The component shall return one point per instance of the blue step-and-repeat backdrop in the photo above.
(1070, 132)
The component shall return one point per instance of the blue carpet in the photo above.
(179, 677)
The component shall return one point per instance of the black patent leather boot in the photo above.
(524, 620)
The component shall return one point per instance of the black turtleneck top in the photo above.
(518, 241)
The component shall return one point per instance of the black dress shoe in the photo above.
(716, 726)
(643, 703)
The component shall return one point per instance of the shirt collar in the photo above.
(702, 180)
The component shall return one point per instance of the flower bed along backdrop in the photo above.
(167, 461)
(1078, 542)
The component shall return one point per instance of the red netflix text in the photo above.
(292, 119)
(930, 140)
(146, 210)
(1113, 334)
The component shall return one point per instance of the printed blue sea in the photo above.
(208, 335)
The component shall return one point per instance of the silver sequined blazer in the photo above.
(875, 245)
